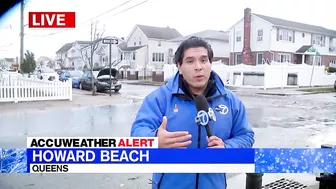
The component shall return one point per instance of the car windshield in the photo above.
(76, 74)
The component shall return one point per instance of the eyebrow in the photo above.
(191, 57)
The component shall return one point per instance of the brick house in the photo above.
(258, 39)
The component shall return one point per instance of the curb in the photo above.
(148, 84)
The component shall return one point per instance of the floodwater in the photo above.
(277, 121)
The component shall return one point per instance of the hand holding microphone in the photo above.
(203, 118)
(178, 139)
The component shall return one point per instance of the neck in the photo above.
(197, 91)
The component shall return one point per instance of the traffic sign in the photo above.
(110, 41)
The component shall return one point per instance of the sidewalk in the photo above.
(141, 82)
(241, 90)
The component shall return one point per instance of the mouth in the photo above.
(199, 77)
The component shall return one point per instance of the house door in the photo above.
(259, 58)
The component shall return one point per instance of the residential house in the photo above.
(9, 63)
(219, 41)
(257, 39)
(5, 64)
(101, 52)
(44, 61)
(69, 55)
(147, 47)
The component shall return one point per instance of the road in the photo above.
(278, 121)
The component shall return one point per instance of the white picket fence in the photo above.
(17, 88)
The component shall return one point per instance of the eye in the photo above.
(190, 61)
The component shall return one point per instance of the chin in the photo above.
(199, 85)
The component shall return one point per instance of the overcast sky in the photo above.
(187, 16)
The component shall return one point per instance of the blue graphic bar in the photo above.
(141, 156)
(13, 160)
(296, 160)
(266, 160)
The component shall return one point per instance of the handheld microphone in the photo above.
(203, 115)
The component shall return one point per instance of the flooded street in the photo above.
(278, 121)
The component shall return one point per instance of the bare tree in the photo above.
(96, 37)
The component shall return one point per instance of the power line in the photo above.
(50, 34)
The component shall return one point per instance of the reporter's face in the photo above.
(196, 67)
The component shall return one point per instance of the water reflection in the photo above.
(86, 121)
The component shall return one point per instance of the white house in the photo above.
(101, 53)
(4, 64)
(219, 41)
(257, 39)
(44, 61)
(69, 55)
(147, 47)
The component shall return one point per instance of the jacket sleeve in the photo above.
(149, 116)
(242, 135)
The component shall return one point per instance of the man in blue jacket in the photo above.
(169, 113)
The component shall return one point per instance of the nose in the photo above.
(198, 66)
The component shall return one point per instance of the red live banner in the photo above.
(52, 20)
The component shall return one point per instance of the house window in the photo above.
(139, 40)
(159, 43)
(133, 56)
(158, 57)
(318, 40)
(286, 35)
(260, 35)
(284, 58)
(238, 36)
(238, 59)
(134, 43)
(318, 60)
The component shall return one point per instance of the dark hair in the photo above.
(192, 42)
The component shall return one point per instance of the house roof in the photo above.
(67, 46)
(123, 47)
(207, 34)
(303, 49)
(10, 59)
(297, 25)
(64, 48)
(153, 32)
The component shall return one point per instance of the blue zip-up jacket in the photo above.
(231, 126)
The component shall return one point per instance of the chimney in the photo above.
(247, 54)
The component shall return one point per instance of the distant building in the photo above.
(147, 47)
(257, 39)
(219, 41)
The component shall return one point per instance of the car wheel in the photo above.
(116, 90)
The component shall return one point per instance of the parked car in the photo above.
(46, 74)
(101, 80)
(335, 85)
(75, 75)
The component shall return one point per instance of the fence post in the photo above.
(15, 88)
(70, 89)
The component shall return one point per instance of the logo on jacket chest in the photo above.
(222, 109)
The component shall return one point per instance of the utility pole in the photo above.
(21, 35)
(91, 61)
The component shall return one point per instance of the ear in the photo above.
(179, 68)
